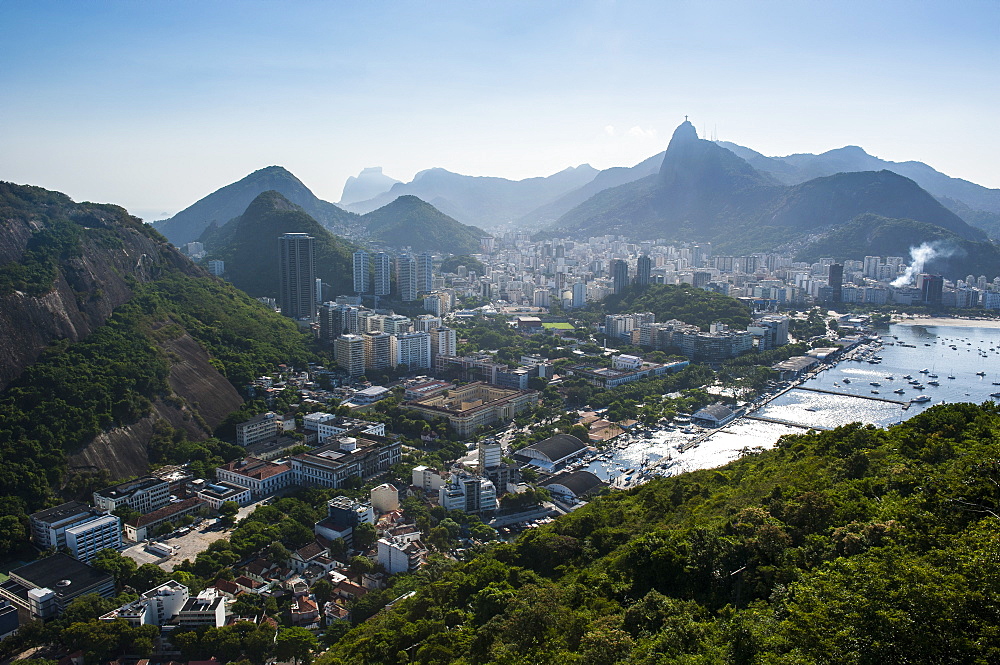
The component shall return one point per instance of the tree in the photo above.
(117, 565)
(363, 537)
(228, 511)
(296, 644)
(278, 554)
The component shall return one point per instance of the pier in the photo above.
(872, 397)
(789, 423)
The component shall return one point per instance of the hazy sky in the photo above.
(153, 105)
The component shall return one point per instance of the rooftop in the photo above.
(129, 488)
(578, 482)
(61, 573)
(165, 512)
(61, 512)
(559, 446)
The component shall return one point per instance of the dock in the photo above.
(872, 397)
(789, 423)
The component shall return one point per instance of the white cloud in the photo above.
(641, 133)
(609, 130)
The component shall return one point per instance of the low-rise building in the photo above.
(794, 367)
(142, 527)
(329, 425)
(423, 387)
(42, 589)
(714, 415)
(220, 491)
(468, 493)
(263, 427)
(208, 608)
(370, 395)
(427, 479)
(76, 526)
(475, 405)
(623, 373)
(574, 485)
(155, 607)
(261, 477)
(143, 495)
(553, 451)
(331, 465)
(384, 498)
(401, 554)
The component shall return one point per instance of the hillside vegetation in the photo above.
(410, 222)
(249, 246)
(857, 545)
(880, 236)
(667, 301)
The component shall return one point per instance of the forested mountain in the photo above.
(118, 352)
(682, 301)
(482, 200)
(249, 246)
(857, 545)
(410, 222)
(230, 201)
(977, 205)
(880, 236)
(368, 184)
(704, 191)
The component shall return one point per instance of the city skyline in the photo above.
(153, 106)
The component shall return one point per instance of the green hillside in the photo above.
(854, 546)
(880, 236)
(249, 246)
(695, 306)
(410, 222)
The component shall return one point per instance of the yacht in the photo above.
(950, 376)
(933, 383)
(995, 395)
(874, 383)
(908, 377)
(920, 399)
(925, 371)
(847, 380)
(932, 376)
(980, 373)
(874, 392)
(899, 391)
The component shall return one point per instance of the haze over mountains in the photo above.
(696, 190)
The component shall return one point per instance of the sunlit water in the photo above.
(977, 349)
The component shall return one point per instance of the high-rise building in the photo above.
(619, 273)
(297, 275)
(412, 349)
(931, 288)
(378, 350)
(349, 352)
(383, 267)
(579, 295)
(425, 272)
(427, 322)
(644, 268)
(836, 281)
(336, 320)
(361, 267)
(406, 277)
(444, 342)
(396, 324)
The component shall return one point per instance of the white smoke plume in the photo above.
(918, 257)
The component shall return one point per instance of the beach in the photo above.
(946, 321)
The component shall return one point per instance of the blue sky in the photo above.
(153, 105)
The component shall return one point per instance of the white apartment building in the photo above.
(412, 349)
(426, 478)
(84, 540)
(263, 427)
(155, 607)
(143, 495)
(396, 324)
(427, 322)
(329, 425)
(468, 493)
(401, 554)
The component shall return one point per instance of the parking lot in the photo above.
(187, 546)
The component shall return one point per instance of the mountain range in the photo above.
(704, 191)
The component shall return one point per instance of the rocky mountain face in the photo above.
(410, 222)
(366, 185)
(115, 350)
(232, 200)
(47, 296)
(482, 201)
(704, 191)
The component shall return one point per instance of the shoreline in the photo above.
(944, 321)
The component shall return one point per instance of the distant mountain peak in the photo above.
(369, 183)
(685, 132)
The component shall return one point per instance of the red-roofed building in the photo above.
(142, 527)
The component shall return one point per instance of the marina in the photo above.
(835, 395)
